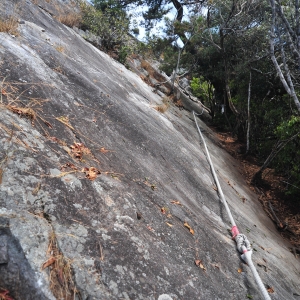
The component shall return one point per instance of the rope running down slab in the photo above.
(242, 243)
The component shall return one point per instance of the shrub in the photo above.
(123, 53)
(70, 19)
(9, 25)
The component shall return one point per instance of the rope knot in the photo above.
(242, 242)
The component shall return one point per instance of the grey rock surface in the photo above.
(112, 228)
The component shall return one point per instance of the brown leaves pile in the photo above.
(91, 173)
(68, 166)
(79, 149)
(189, 228)
(23, 111)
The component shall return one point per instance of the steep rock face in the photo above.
(69, 111)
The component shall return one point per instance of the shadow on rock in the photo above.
(16, 275)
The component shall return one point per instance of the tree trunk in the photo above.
(287, 82)
(276, 149)
(227, 88)
(176, 69)
(248, 121)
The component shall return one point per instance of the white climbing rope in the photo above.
(242, 243)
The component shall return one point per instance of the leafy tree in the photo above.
(288, 160)
(285, 29)
(108, 22)
(205, 91)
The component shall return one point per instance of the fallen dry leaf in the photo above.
(48, 124)
(48, 263)
(169, 224)
(103, 150)
(240, 270)
(270, 290)
(68, 165)
(199, 264)
(163, 210)
(176, 202)
(150, 228)
(91, 173)
(189, 227)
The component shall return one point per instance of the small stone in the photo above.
(164, 297)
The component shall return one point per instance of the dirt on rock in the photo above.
(283, 211)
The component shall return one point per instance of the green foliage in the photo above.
(124, 51)
(160, 49)
(288, 128)
(111, 25)
(200, 87)
(136, 31)
(108, 5)
(288, 160)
